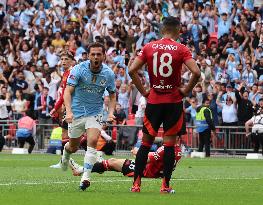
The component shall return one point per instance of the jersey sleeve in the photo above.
(186, 54)
(142, 54)
(111, 88)
(74, 76)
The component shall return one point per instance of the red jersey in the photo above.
(164, 59)
(63, 84)
(154, 167)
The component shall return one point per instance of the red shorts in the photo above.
(169, 114)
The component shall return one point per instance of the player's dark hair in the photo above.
(171, 24)
(96, 45)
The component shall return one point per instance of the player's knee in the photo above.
(92, 142)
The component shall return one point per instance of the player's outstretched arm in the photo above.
(133, 72)
(192, 66)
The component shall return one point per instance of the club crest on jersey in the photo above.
(103, 82)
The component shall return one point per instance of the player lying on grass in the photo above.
(153, 169)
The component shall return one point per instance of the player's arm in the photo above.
(60, 101)
(133, 72)
(67, 101)
(192, 66)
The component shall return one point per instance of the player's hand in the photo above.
(183, 92)
(69, 117)
(111, 118)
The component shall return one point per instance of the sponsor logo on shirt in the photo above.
(163, 86)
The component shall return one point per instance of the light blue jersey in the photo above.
(87, 98)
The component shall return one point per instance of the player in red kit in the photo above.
(164, 59)
(153, 169)
(66, 58)
(58, 112)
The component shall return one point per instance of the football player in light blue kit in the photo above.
(83, 101)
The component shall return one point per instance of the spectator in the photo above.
(19, 105)
(52, 85)
(256, 123)
(141, 110)
(52, 57)
(204, 126)
(120, 116)
(58, 42)
(245, 107)
(4, 102)
(192, 110)
(45, 104)
(17, 81)
(26, 132)
(123, 98)
(105, 111)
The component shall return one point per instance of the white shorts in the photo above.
(80, 125)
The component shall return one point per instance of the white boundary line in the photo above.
(122, 180)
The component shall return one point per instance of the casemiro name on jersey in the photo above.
(164, 47)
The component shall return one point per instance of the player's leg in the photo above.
(93, 129)
(111, 164)
(172, 125)
(169, 161)
(141, 159)
(75, 130)
(151, 123)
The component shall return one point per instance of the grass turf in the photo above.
(28, 180)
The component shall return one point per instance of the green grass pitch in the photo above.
(28, 180)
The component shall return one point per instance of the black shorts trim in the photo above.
(169, 114)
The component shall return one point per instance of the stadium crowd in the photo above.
(225, 37)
